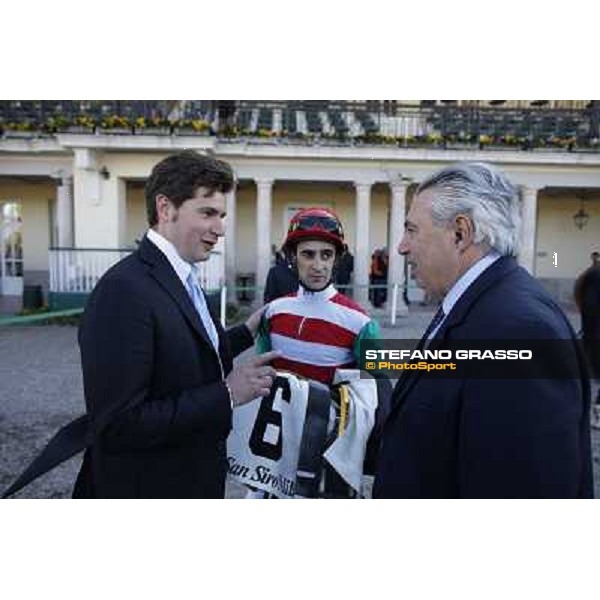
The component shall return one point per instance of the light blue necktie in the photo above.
(200, 304)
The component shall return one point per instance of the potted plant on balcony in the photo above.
(116, 125)
(262, 136)
(294, 137)
(231, 133)
(153, 126)
(82, 124)
(192, 127)
(28, 128)
(509, 140)
(376, 139)
(458, 140)
(56, 124)
(405, 141)
(485, 140)
(565, 143)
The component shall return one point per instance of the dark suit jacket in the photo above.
(281, 281)
(477, 438)
(154, 386)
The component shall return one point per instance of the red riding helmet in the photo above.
(315, 224)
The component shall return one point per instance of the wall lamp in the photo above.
(581, 217)
(104, 172)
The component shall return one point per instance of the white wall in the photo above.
(557, 233)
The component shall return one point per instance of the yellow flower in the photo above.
(199, 125)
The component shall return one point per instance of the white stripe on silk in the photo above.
(311, 353)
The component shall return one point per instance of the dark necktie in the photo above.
(437, 319)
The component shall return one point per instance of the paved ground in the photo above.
(41, 390)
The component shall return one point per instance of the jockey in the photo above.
(317, 329)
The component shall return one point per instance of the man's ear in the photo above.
(163, 206)
(464, 231)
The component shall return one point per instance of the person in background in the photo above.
(378, 277)
(343, 273)
(281, 279)
(587, 298)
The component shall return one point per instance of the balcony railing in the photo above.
(324, 122)
(77, 270)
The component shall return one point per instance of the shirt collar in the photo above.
(467, 278)
(181, 267)
(319, 296)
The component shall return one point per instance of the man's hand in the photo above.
(252, 379)
(253, 321)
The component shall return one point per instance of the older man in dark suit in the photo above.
(157, 365)
(470, 437)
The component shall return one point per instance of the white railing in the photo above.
(77, 270)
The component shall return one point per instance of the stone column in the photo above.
(362, 253)
(526, 257)
(230, 246)
(88, 209)
(264, 197)
(64, 212)
(101, 204)
(396, 264)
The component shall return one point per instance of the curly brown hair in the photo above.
(179, 176)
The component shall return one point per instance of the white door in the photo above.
(11, 249)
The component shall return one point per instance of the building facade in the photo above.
(73, 202)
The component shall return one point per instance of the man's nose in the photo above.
(219, 227)
(318, 263)
(403, 246)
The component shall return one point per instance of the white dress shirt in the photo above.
(183, 269)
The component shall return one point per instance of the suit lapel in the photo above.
(162, 271)
(492, 275)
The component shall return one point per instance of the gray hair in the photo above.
(485, 194)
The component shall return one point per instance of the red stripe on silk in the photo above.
(348, 303)
(309, 329)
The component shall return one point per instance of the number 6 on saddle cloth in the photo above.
(282, 443)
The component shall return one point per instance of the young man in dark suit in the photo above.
(469, 437)
(157, 365)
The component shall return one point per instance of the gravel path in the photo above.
(41, 390)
